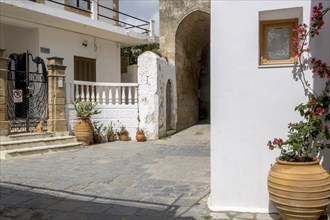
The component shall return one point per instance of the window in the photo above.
(84, 69)
(276, 41)
(82, 4)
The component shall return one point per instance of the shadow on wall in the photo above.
(320, 47)
(29, 202)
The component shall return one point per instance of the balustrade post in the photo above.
(103, 97)
(123, 96)
(4, 122)
(129, 95)
(110, 96)
(56, 95)
(117, 96)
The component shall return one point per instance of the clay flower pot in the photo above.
(140, 137)
(97, 139)
(111, 137)
(124, 137)
(299, 190)
(84, 130)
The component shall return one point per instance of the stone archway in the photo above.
(192, 61)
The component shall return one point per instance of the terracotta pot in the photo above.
(111, 137)
(84, 130)
(299, 190)
(123, 137)
(97, 139)
(140, 137)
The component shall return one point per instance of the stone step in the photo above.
(5, 154)
(17, 144)
(27, 136)
(170, 132)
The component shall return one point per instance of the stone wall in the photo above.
(171, 14)
(185, 40)
(153, 76)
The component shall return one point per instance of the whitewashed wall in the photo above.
(153, 74)
(250, 105)
(64, 44)
(19, 39)
(118, 115)
(67, 44)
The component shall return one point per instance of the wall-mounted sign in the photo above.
(18, 95)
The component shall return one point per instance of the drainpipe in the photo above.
(94, 9)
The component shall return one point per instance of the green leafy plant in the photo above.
(139, 130)
(84, 109)
(97, 128)
(122, 131)
(109, 129)
(309, 136)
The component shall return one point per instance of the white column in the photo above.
(94, 9)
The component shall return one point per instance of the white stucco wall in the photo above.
(118, 115)
(250, 105)
(153, 74)
(65, 44)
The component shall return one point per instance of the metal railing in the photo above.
(142, 27)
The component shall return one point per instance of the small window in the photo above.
(276, 41)
(82, 4)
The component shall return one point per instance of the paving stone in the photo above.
(244, 216)
(66, 205)
(219, 216)
(267, 217)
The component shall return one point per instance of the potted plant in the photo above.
(110, 132)
(123, 134)
(97, 132)
(298, 185)
(83, 127)
(140, 136)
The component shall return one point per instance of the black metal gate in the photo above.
(28, 92)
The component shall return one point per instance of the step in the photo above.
(5, 154)
(17, 144)
(170, 132)
(27, 136)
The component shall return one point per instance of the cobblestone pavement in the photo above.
(163, 179)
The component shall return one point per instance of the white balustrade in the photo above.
(102, 93)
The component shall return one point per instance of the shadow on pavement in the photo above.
(18, 201)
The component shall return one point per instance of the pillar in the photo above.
(56, 95)
(4, 122)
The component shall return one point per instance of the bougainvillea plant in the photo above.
(307, 137)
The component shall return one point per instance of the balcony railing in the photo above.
(93, 9)
(104, 93)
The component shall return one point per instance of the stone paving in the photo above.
(163, 179)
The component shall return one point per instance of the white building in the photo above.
(86, 34)
(252, 101)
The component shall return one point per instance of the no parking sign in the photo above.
(18, 95)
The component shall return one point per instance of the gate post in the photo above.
(4, 123)
(56, 95)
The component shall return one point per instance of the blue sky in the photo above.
(143, 9)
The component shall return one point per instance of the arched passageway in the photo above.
(192, 61)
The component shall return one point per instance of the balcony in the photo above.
(82, 16)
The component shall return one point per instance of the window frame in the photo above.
(283, 23)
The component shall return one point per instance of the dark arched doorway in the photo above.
(192, 61)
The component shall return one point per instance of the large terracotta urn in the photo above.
(299, 190)
(84, 130)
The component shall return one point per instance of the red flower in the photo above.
(312, 102)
